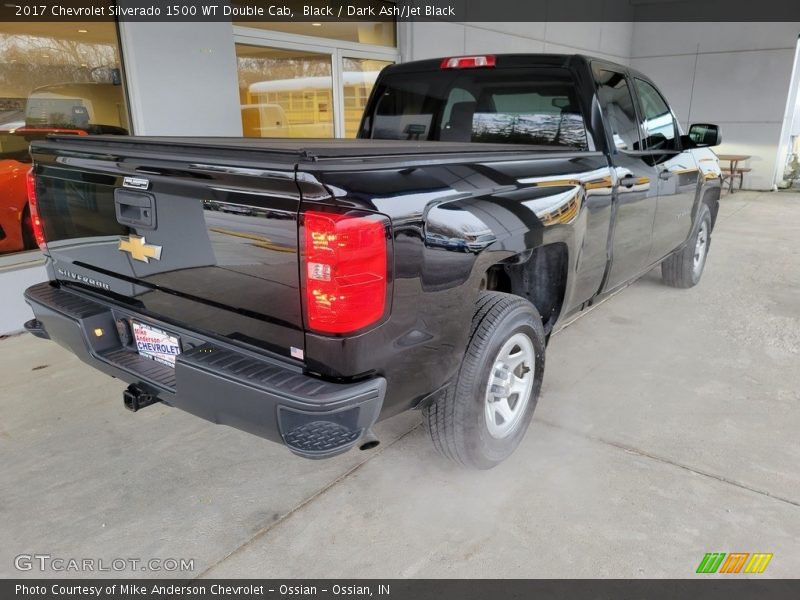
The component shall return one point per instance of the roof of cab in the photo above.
(505, 61)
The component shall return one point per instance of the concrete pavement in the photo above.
(667, 428)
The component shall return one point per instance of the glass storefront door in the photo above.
(301, 86)
(285, 93)
(358, 77)
(53, 76)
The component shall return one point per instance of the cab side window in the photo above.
(658, 124)
(617, 104)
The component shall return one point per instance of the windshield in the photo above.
(512, 106)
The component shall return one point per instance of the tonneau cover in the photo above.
(299, 150)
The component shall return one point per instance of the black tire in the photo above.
(680, 269)
(28, 239)
(457, 421)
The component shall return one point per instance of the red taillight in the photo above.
(468, 62)
(345, 271)
(36, 221)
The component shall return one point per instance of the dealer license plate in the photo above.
(156, 344)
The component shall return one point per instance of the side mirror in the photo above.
(704, 135)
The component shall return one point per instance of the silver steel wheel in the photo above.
(700, 249)
(510, 385)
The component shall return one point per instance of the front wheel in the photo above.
(684, 268)
(484, 415)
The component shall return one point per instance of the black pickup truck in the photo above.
(302, 290)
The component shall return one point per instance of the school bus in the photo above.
(307, 103)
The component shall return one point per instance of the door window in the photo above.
(618, 107)
(658, 123)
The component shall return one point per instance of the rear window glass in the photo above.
(511, 106)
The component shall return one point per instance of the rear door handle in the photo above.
(665, 174)
(628, 181)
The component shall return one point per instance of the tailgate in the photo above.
(211, 247)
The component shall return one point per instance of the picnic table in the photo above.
(734, 169)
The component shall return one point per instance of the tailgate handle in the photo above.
(135, 209)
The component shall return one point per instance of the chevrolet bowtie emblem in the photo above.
(139, 249)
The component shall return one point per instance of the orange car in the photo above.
(16, 232)
(16, 228)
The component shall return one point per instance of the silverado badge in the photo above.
(139, 249)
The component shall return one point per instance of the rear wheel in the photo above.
(684, 268)
(484, 415)
(28, 239)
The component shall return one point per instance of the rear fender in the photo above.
(468, 239)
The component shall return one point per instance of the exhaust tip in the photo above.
(368, 441)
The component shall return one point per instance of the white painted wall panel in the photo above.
(759, 141)
(14, 309)
(479, 40)
(734, 74)
(742, 86)
(532, 30)
(662, 39)
(182, 78)
(606, 40)
(576, 35)
(432, 39)
(796, 118)
(550, 47)
(616, 39)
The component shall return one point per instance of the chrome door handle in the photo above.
(665, 174)
(628, 181)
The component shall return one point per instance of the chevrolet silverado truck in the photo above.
(302, 290)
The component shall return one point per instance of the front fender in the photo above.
(709, 185)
